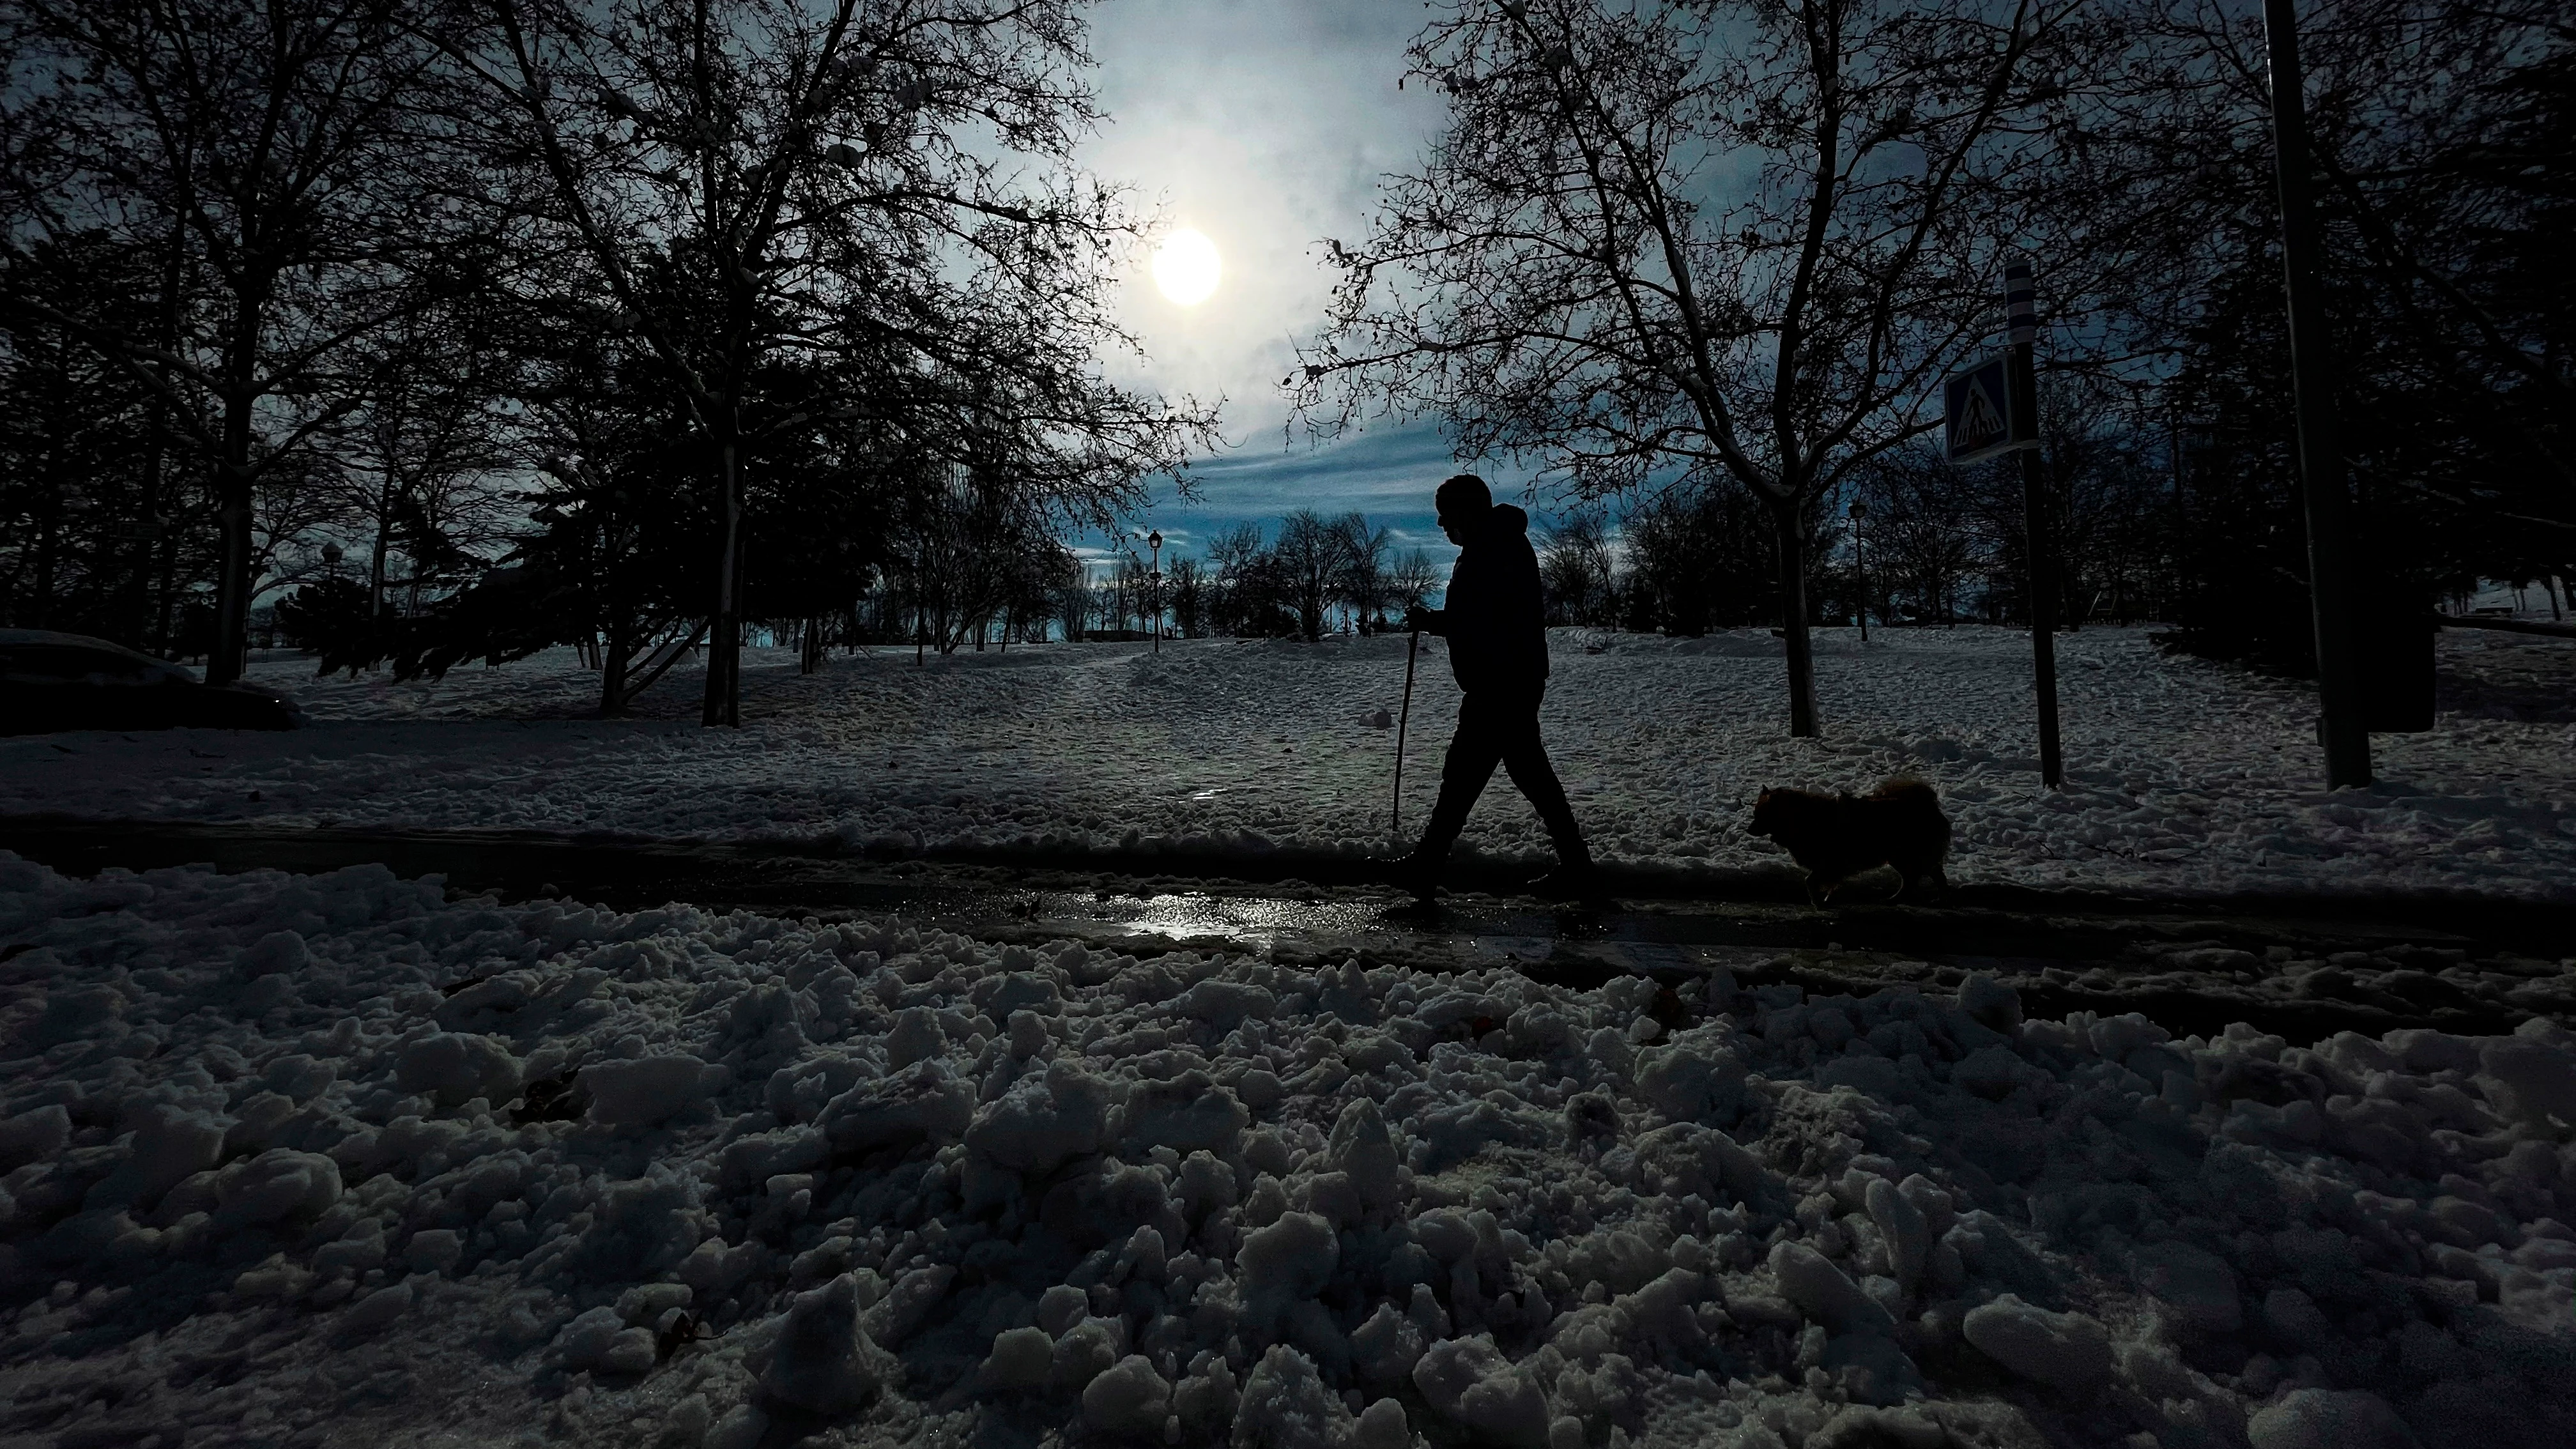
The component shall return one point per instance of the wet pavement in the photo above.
(2303, 968)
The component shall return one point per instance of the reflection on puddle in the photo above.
(1257, 921)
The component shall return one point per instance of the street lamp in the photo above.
(1860, 568)
(1154, 541)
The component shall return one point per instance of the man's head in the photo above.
(1464, 503)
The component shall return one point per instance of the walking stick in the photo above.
(1395, 814)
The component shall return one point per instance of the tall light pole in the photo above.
(2342, 729)
(1860, 568)
(1154, 541)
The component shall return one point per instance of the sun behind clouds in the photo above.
(1186, 267)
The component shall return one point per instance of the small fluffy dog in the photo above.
(1835, 837)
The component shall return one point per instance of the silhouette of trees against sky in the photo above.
(277, 174)
(87, 555)
(2441, 135)
(1315, 575)
(1414, 579)
(773, 177)
(1676, 243)
(1702, 555)
(1185, 589)
(1944, 543)
(334, 272)
(967, 549)
(1575, 570)
(1368, 585)
(1313, 561)
(423, 449)
(1246, 594)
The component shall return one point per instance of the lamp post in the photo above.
(1860, 568)
(1154, 541)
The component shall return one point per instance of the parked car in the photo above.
(51, 681)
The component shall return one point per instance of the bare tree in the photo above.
(1188, 590)
(1575, 571)
(773, 178)
(1252, 588)
(1313, 558)
(1414, 579)
(1365, 585)
(424, 451)
(2439, 132)
(1921, 532)
(280, 160)
(1672, 243)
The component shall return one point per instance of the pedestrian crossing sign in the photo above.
(1975, 417)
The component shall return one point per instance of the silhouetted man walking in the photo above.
(1497, 637)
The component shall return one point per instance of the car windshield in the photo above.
(71, 664)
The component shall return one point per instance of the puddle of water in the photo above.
(1502, 950)
(1257, 922)
(1651, 956)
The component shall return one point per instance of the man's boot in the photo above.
(1574, 877)
(1416, 874)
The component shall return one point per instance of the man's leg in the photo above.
(1473, 752)
(1524, 757)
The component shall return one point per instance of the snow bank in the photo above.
(474, 1171)
(2180, 775)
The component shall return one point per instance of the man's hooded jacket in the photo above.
(1492, 617)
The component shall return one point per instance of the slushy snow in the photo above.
(332, 1159)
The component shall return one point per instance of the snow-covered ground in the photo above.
(2181, 775)
(330, 1160)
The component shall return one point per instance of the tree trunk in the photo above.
(232, 586)
(612, 665)
(157, 552)
(165, 629)
(233, 483)
(48, 534)
(147, 528)
(723, 703)
(230, 654)
(1793, 620)
(383, 547)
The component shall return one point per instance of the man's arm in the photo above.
(1428, 621)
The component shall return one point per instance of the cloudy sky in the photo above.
(1265, 125)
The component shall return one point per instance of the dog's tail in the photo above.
(1907, 788)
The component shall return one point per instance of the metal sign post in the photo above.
(2021, 314)
(1992, 407)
